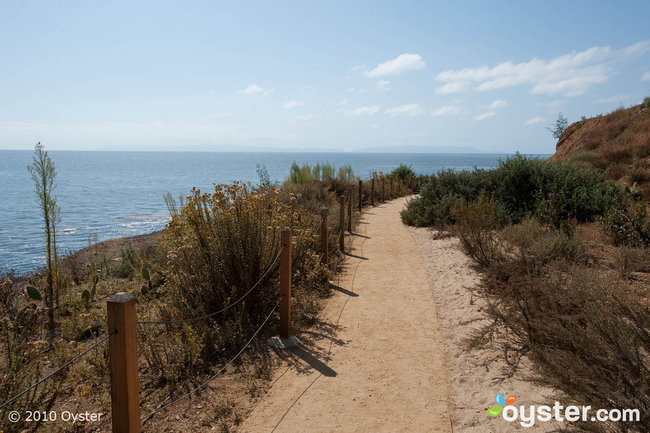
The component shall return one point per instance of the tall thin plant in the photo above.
(44, 175)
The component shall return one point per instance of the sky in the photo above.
(314, 75)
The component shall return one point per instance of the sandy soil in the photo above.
(475, 375)
(376, 362)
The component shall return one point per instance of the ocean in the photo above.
(118, 194)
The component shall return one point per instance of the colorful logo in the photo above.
(494, 411)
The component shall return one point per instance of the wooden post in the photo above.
(391, 188)
(372, 191)
(123, 364)
(360, 194)
(341, 222)
(323, 236)
(285, 284)
(350, 211)
(383, 189)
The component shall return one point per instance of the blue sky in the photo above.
(313, 75)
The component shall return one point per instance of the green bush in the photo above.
(126, 267)
(402, 172)
(305, 174)
(521, 187)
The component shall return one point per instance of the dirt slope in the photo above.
(625, 132)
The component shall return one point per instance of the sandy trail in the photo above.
(376, 361)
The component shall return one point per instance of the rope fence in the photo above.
(162, 407)
(226, 308)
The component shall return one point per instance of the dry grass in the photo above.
(587, 329)
(475, 224)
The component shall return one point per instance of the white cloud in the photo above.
(343, 102)
(499, 103)
(356, 68)
(637, 49)
(646, 76)
(406, 110)
(366, 109)
(534, 120)
(383, 84)
(402, 63)
(486, 115)
(570, 75)
(447, 110)
(292, 104)
(254, 89)
(452, 87)
(374, 125)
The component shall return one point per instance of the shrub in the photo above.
(218, 247)
(222, 243)
(521, 187)
(617, 153)
(630, 259)
(587, 334)
(626, 224)
(588, 156)
(402, 172)
(127, 264)
(616, 171)
(535, 242)
(639, 175)
(304, 174)
(21, 354)
(475, 224)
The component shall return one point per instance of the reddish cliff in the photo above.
(618, 143)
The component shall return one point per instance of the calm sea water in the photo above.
(117, 194)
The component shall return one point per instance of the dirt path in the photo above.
(376, 361)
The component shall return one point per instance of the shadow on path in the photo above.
(358, 235)
(354, 256)
(344, 291)
(313, 360)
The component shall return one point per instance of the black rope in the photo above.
(161, 408)
(207, 316)
(90, 349)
